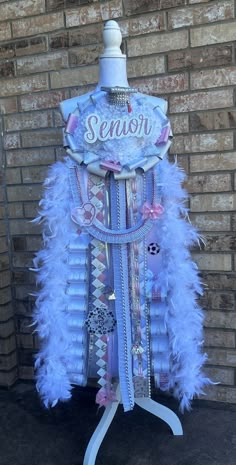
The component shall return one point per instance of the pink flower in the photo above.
(151, 211)
(105, 396)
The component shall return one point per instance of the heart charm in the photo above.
(84, 215)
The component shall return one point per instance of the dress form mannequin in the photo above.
(118, 284)
(112, 72)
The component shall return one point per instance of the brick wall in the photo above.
(182, 50)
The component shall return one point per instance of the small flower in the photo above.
(151, 211)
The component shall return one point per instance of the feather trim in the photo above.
(180, 287)
(51, 263)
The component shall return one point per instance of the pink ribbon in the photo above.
(105, 396)
(151, 211)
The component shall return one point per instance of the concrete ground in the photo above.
(31, 435)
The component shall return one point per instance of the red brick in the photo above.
(25, 341)
(144, 66)
(213, 202)
(220, 394)
(3, 230)
(50, 99)
(219, 338)
(5, 31)
(221, 301)
(68, 77)
(213, 162)
(3, 245)
(22, 277)
(8, 345)
(200, 57)
(15, 210)
(24, 308)
(7, 50)
(220, 375)
(212, 120)
(222, 357)
(6, 312)
(209, 183)
(31, 46)
(49, 62)
(45, 137)
(143, 6)
(76, 91)
(208, 142)
(8, 105)
(37, 24)
(60, 153)
(4, 262)
(18, 243)
(217, 281)
(7, 328)
(26, 157)
(5, 278)
(33, 243)
(213, 34)
(7, 69)
(161, 42)
(201, 14)
(179, 123)
(25, 121)
(32, 174)
(18, 226)
(22, 293)
(163, 84)
(59, 40)
(213, 262)
(20, 8)
(220, 242)
(26, 373)
(2, 212)
(23, 85)
(94, 13)
(143, 25)
(58, 119)
(17, 193)
(12, 141)
(23, 260)
(202, 101)
(31, 210)
(206, 79)
(55, 4)
(7, 379)
(85, 55)
(211, 222)
(7, 362)
(91, 34)
(5, 296)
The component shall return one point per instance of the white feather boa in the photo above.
(180, 284)
(178, 281)
(52, 266)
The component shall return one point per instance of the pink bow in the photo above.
(104, 396)
(151, 211)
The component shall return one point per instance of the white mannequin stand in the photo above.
(112, 72)
(160, 411)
